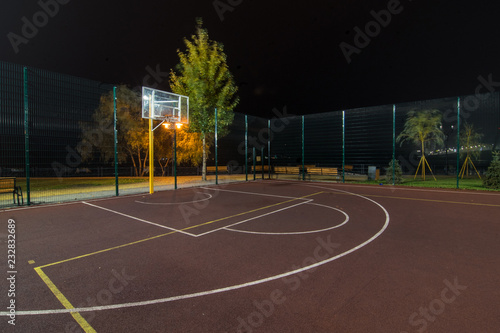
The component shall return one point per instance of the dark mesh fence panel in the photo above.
(12, 155)
(58, 106)
(61, 110)
(368, 138)
(286, 146)
(323, 139)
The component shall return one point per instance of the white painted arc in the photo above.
(228, 228)
(254, 218)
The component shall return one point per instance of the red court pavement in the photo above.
(265, 256)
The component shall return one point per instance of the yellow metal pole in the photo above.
(462, 170)
(151, 157)
(423, 166)
(432, 173)
(419, 163)
(467, 164)
(475, 169)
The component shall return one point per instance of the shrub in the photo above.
(492, 177)
(398, 173)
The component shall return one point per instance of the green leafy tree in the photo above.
(422, 128)
(132, 131)
(204, 76)
(492, 177)
(189, 147)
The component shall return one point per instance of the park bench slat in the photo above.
(8, 186)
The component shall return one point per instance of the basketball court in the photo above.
(263, 256)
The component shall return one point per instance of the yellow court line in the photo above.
(418, 199)
(64, 301)
(76, 315)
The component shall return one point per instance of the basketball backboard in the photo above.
(164, 106)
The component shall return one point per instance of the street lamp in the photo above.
(174, 127)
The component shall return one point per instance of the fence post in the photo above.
(262, 160)
(253, 163)
(175, 156)
(458, 141)
(216, 171)
(303, 152)
(26, 135)
(246, 147)
(343, 146)
(269, 147)
(116, 141)
(393, 144)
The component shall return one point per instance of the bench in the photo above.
(220, 169)
(287, 170)
(323, 171)
(258, 168)
(8, 185)
(348, 168)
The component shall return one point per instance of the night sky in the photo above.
(281, 53)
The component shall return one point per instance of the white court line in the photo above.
(176, 203)
(253, 218)
(220, 290)
(296, 232)
(139, 219)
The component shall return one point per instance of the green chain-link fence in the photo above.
(43, 116)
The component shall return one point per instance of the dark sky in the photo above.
(280, 52)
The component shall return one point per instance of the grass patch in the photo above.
(472, 183)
